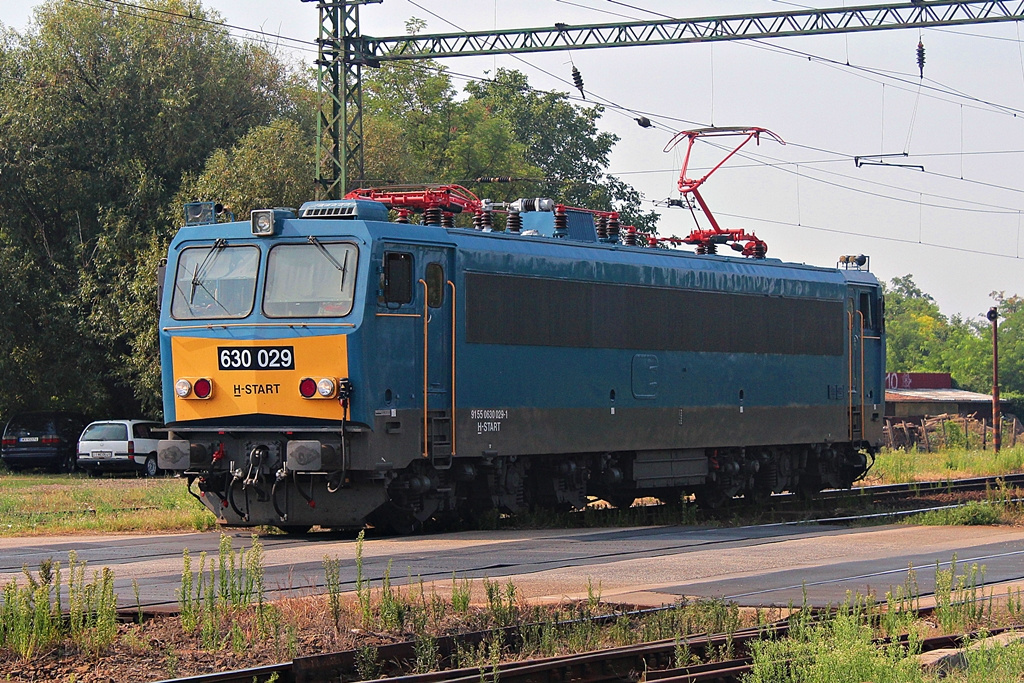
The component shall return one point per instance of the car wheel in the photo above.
(151, 467)
(66, 465)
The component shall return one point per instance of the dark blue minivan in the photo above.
(46, 439)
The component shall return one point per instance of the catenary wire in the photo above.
(147, 12)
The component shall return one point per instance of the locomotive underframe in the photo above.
(244, 478)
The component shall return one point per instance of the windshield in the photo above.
(310, 280)
(218, 281)
(106, 432)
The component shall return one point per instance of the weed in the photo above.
(427, 654)
(171, 662)
(138, 600)
(462, 591)
(362, 585)
(332, 578)
(392, 608)
(367, 663)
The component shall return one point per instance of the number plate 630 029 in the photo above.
(255, 358)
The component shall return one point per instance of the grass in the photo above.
(38, 504)
(899, 466)
(861, 641)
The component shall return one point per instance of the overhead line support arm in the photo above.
(880, 17)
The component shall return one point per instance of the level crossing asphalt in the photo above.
(754, 565)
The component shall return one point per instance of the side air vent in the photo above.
(346, 209)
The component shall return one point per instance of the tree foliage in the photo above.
(102, 111)
(565, 143)
(920, 338)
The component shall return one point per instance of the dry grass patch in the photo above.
(39, 504)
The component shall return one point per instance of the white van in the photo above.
(120, 446)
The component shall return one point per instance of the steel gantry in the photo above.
(343, 51)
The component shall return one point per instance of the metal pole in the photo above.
(993, 315)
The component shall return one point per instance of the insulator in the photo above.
(561, 222)
(702, 249)
(652, 241)
(533, 204)
(403, 216)
(577, 80)
(630, 238)
(613, 228)
(476, 219)
(515, 222)
(760, 250)
(920, 57)
(447, 219)
(602, 227)
(485, 221)
(643, 122)
(432, 216)
(712, 248)
(496, 179)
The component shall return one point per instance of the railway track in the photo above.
(156, 561)
(653, 661)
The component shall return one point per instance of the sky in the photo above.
(956, 226)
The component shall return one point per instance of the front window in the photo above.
(218, 281)
(314, 280)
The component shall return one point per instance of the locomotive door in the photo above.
(438, 301)
(864, 327)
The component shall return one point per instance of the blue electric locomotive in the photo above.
(335, 367)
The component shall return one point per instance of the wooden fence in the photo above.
(949, 431)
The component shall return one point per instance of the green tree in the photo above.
(913, 325)
(416, 130)
(103, 108)
(920, 338)
(270, 166)
(565, 143)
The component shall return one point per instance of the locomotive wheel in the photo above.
(711, 497)
(622, 501)
(396, 520)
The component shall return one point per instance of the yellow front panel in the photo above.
(268, 392)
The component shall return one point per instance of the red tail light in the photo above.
(131, 448)
(202, 388)
(307, 387)
(50, 440)
(10, 442)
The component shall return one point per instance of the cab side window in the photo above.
(397, 276)
(435, 285)
(868, 311)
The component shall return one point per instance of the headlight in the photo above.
(263, 222)
(183, 388)
(325, 387)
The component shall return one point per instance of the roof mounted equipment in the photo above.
(707, 240)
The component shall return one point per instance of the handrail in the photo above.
(849, 387)
(426, 337)
(862, 392)
(452, 341)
